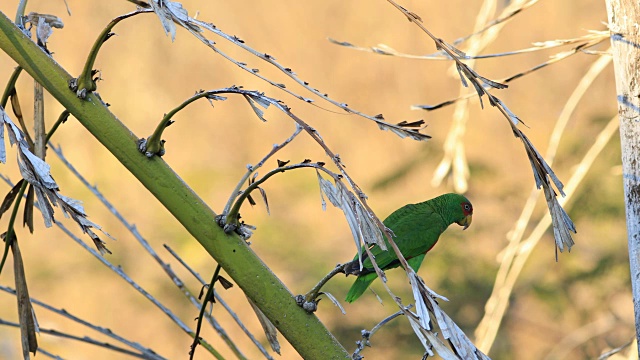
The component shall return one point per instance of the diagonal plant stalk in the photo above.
(165, 266)
(305, 332)
(222, 302)
(85, 83)
(120, 272)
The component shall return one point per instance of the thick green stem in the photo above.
(155, 145)
(11, 86)
(232, 217)
(304, 331)
(85, 83)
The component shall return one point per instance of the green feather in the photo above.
(416, 229)
(360, 286)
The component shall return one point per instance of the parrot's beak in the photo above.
(465, 222)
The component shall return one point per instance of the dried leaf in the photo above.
(226, 284)
(461, 54)
(341, 43)
(417, 123)
(26, 313)
(514, 119)
(167, 12)
(43, 32)
(28, 209)
(461, 75)
(283, 163)
(327, 188)
(17, 111)
(44, 205)
(100, 245)
(253, 100)
(402, 132)
(215, 97)
(264, 197)
(335, 302)
(562, 224)
(462, 347)
(363, 227)
(10, 197)
(3, 120)
(261, 100)
(539, 159)
(53, 21)
(421, 308)
(269, 329)
(37, 172)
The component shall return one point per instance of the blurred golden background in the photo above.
(576, 308)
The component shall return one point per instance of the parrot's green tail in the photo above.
(359, 286)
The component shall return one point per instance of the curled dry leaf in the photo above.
(363, 228)
(544, 176)
(269, 329)
(259, 100)
(37, 173)
(335, 302)
(170, 13)
(426, 309)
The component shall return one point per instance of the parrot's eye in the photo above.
(467, 207)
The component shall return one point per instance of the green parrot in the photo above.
(416, 228)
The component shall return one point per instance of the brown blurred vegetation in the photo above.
(145, 75)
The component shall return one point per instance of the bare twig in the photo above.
(145, 244)
(170, 16)
(383, 49)
(367, 334)
(145, 352)
(84, 339)
(222, 302)
(580, 48)
(252, 169)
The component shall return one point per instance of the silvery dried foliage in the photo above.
(361, 222)
(37, 173)
(427, 309)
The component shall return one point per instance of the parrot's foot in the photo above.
(309, 306)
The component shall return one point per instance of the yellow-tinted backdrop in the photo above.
(575, 308)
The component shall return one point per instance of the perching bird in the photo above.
(416, 228)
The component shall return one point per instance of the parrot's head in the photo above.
(465, 212)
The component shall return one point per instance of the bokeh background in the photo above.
(576, 308)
